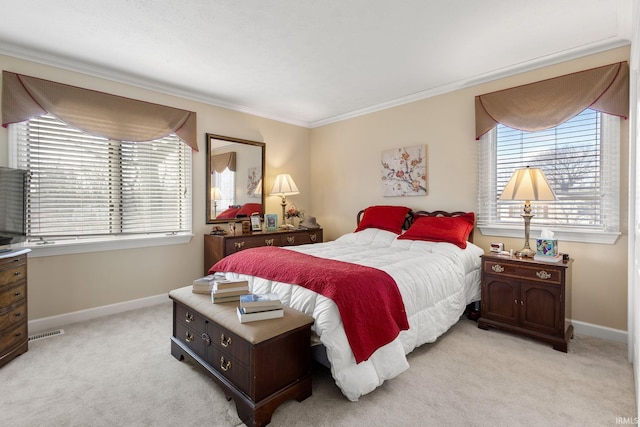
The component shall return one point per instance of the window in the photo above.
(84, 188)
(581, 161)
(226, 183)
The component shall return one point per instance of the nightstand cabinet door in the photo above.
(527, 297)
(500, 299)
(540, 308)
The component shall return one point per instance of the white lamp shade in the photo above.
(215, 193)
(528, 184)
(284, 186)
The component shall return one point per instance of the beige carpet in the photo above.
(118, 371)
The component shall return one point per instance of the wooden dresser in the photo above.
(527, 297)
(218, 246)
(259, 365)
(14, 335)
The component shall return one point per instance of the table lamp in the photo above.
(284, 186)
(527, 184)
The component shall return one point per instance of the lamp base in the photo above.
(525, 253)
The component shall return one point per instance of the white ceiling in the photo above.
(308, 62)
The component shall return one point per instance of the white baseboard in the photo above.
(56, 322)
(598, 331)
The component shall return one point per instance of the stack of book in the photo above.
(228, 290)
(259, 307)
(204, 285)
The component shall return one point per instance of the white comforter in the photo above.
(436, 280)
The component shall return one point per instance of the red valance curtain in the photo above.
(96, 113)
(548, 103)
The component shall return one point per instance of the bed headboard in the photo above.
(411, 215)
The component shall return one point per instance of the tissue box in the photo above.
(547, 247)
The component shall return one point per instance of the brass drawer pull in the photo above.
(225, 366)
(188, 317)
(497, 268)
(206, 338)
(268, 242)
(238, 245)
(225, 341)
(291, 239)
(313, 237)
(543, 274)
(188, 336)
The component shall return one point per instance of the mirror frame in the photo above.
(209, 138)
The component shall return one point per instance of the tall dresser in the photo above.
(14, 336)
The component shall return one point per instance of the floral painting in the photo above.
(404, 171)
(253, 182)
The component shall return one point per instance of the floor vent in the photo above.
(44, 335)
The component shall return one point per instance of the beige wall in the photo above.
(67, 283)
(345, 175)
(337, 170)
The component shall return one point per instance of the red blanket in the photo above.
(368, 299)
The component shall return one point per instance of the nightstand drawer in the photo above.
(11, 275)
(13, 337)
(529, 271)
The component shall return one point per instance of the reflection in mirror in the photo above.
(234, 178)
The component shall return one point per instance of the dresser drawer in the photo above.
(12, 337)
(13, 316)
(237, 244)
(530, 271)
(12, 273)
(192, 338)
(13, 294)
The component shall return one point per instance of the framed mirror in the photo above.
(235, 188)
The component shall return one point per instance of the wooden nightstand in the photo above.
(259, 365)
(14, 336)
(527, 297)
(217, 246)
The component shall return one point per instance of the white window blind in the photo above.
(226, 182)
(86, 186)
(581, 161)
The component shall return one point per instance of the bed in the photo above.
(428, 255)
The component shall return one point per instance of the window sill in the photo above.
(70, 247)
(582, 236)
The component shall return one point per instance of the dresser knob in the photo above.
(188, 336)
(18, 314)
(17, 294)
(188, 317)
(225, 365)
(225, 341)
(17, 273)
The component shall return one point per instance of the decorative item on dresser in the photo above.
(217, 247)
(260, 365)
(527, 297)
(14, 335)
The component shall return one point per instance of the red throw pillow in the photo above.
(248, 208)
(390, 218)
(228, 213)
(441, 229)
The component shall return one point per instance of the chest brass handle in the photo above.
(291, 239)
(225, 341)
(268, 242)
(497, 268)
(188, 337)
(188, 317)
(238, 245)
(225, 365)
(313, 237)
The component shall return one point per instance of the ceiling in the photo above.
(308, 62)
